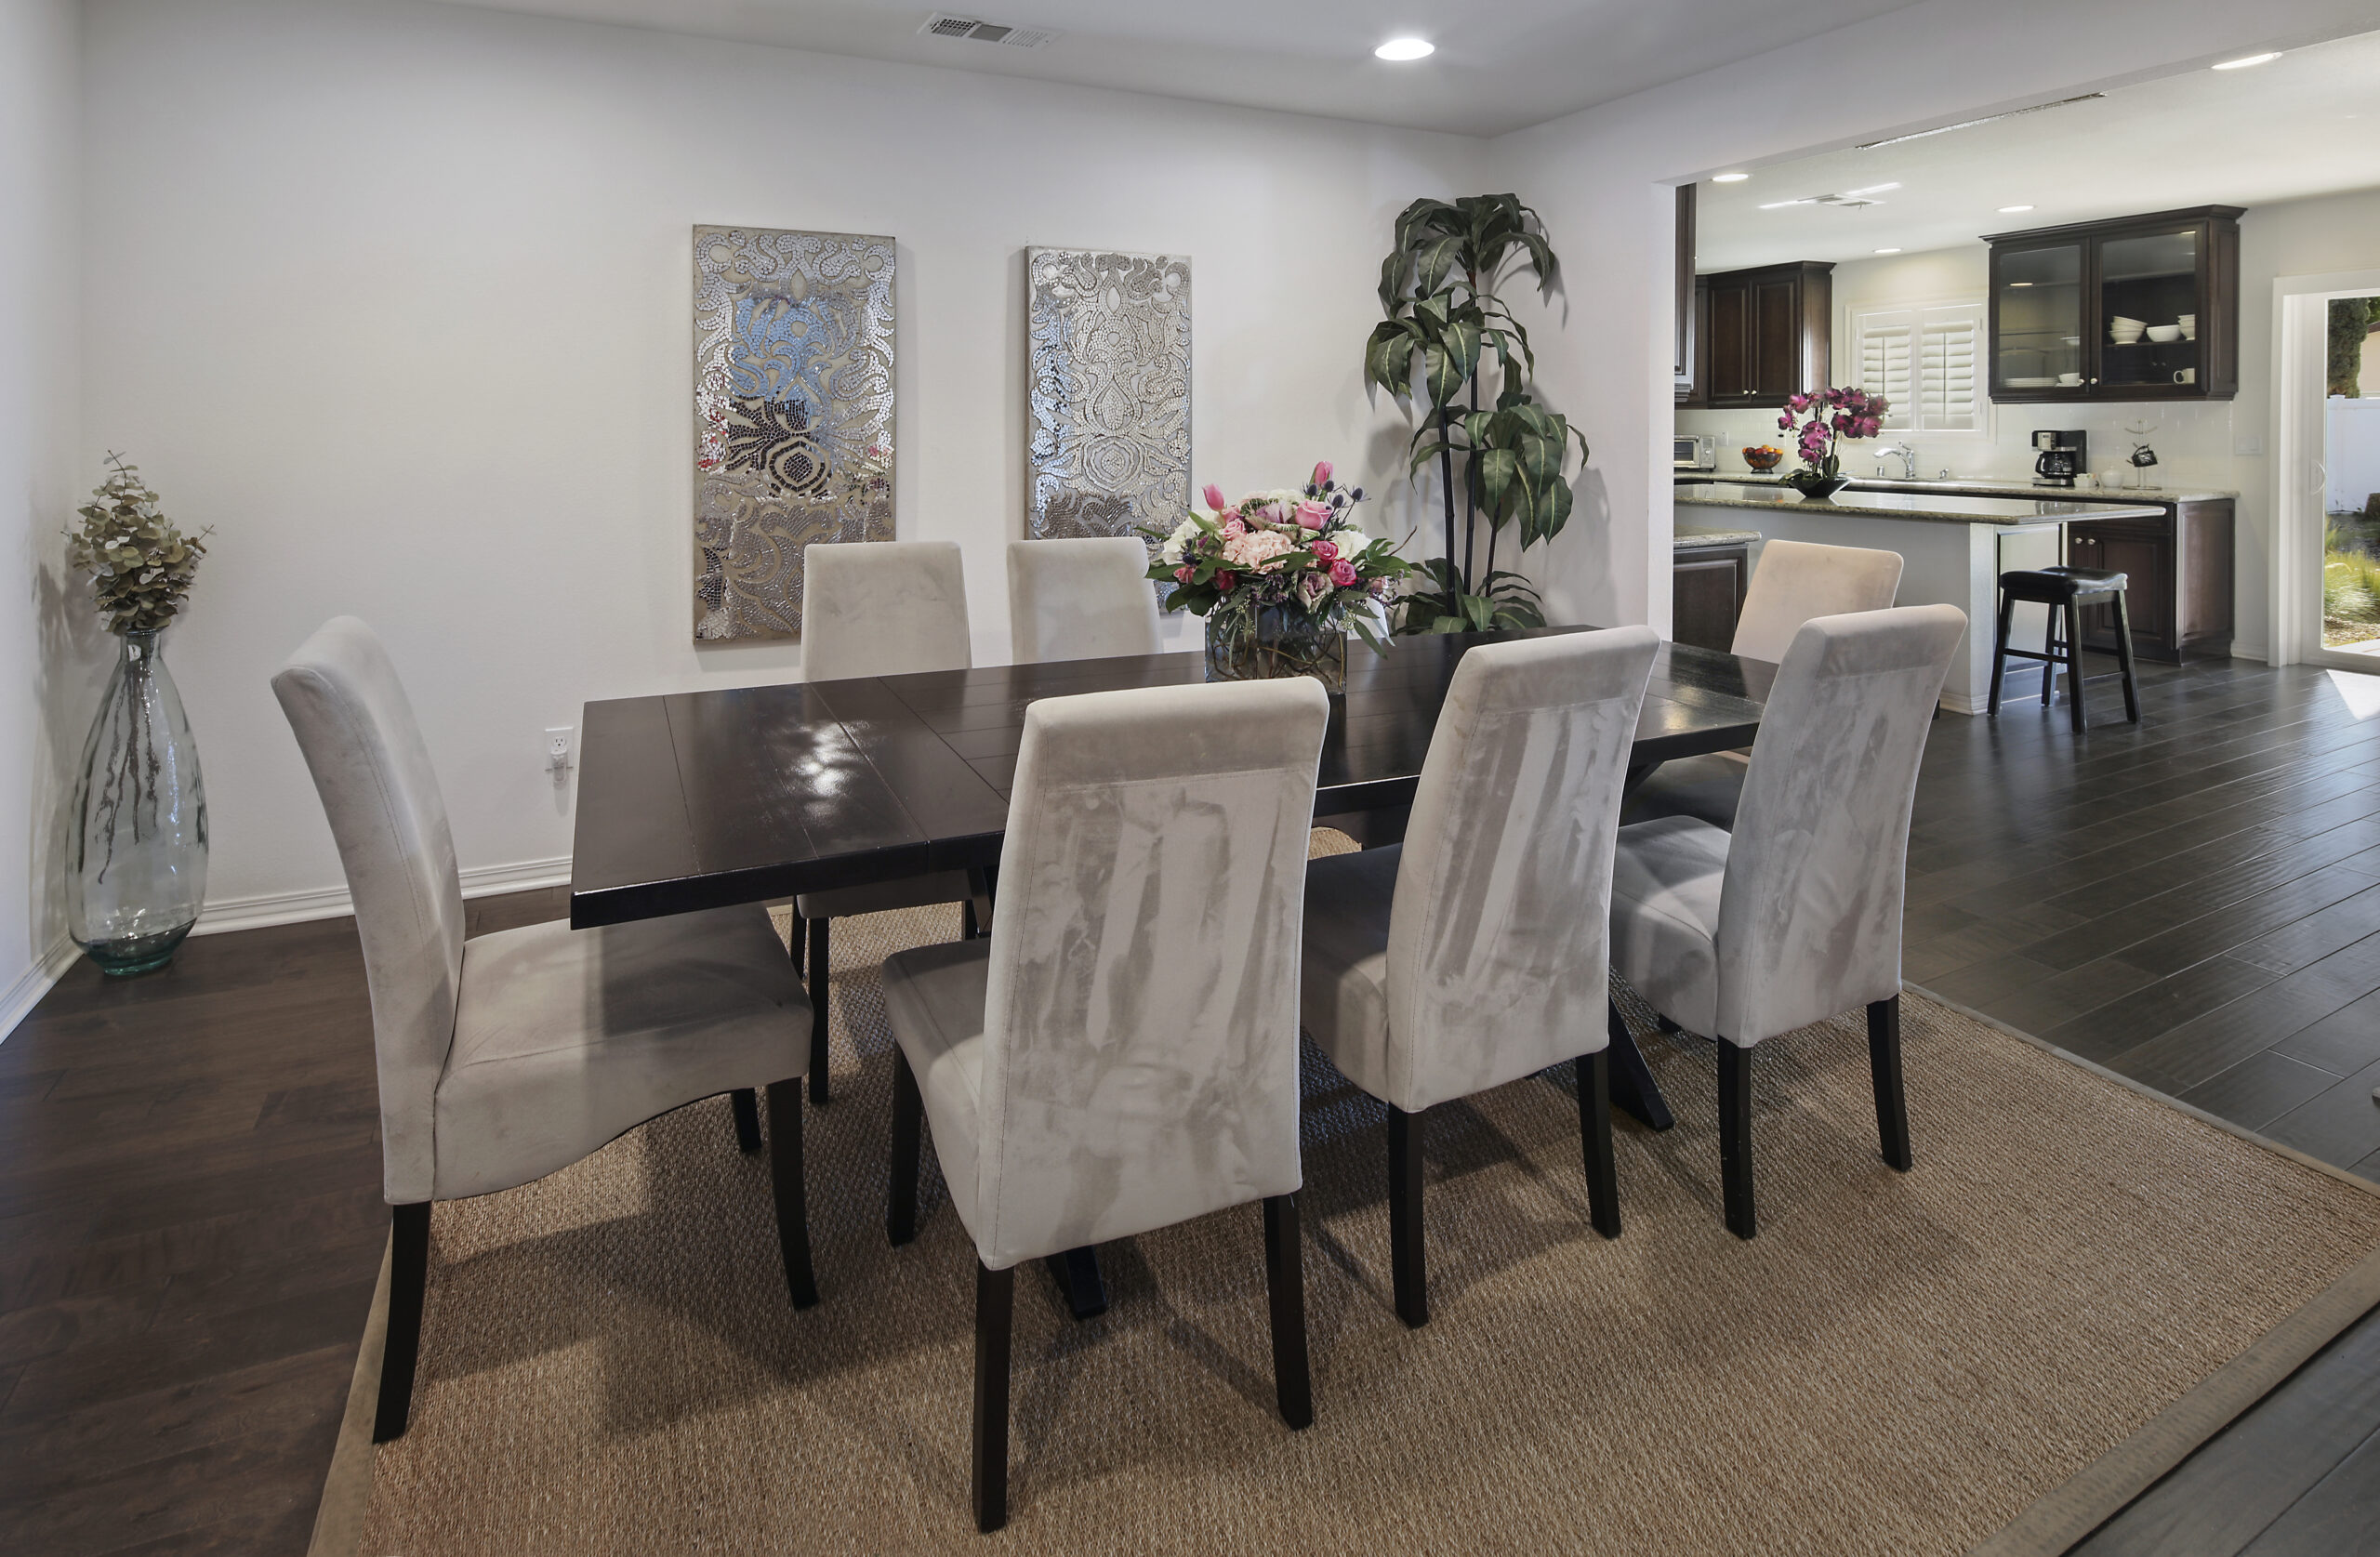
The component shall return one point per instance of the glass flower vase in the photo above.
(1274, 641)
(136, 871)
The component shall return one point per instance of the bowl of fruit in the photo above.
(1762, 457)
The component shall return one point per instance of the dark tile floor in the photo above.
(190, 1220)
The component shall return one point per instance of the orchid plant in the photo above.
(1296, 550)
(1832, 415)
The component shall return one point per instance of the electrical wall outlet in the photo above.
(2248, 445)
(560, 749)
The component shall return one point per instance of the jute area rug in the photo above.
(1900, 1364)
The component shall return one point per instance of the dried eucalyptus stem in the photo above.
(140, 564)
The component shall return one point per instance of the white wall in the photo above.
(1601, 177)
(396, 297)
(39, 89)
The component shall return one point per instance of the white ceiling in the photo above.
(2306, 124)
(1501, 65)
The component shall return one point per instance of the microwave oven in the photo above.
(1693, 454)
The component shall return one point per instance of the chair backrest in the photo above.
(1809, 919)
(882, 608)
(1797, 580)
(356, 727)
(1082, 599)
(1498, 937)
(1141, 1024)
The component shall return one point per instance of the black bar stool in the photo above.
(2065, 591)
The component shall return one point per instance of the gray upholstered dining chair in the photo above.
(505, 1057)
(1121, 1054)
(1473, 954)
(1795, 581)
(1083, 598)
(877, 608)
(1795, 916)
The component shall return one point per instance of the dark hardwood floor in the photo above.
(190, 1226)
(191, 1219)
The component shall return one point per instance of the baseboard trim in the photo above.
(18, 1001)
(331, 903)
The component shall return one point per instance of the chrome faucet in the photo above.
(1902, 451)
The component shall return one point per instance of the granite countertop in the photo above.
(1691, 535)
(1981, 487)
(1926, 507)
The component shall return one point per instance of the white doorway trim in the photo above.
(2301, 318)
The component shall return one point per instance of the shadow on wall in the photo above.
(77, 652)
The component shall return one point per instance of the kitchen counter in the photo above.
(1981, 487)
(1690, 535)
(1924, 507)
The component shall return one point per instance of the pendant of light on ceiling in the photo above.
(1401, 51)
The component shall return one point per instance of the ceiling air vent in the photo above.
(940, 26)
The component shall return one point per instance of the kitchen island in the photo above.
(1953, 549)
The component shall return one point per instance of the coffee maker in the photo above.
(2062, 456)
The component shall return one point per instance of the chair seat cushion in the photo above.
(1343, 984)
(1665, 884)
(884, 897)
(934, 998)
(565, 1039)
(1704, 787)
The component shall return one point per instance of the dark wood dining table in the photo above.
(705, 799)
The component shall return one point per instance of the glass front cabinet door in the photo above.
(2147, 308)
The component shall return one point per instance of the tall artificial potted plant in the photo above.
(136, 864)
(1438, 288)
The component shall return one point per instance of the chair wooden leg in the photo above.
(1883, 1059)
(995, 1302)
(1734, 1138)
(2076, 713)
(1285, 1289)
(2000, 651)
(408, 1279)
(2123, 657)
(784, 1171)
(747, 1119)
(2049, 662)
(818, 1053)
(909, 1124)
(1595, 1135)
(1633, 1086)
(1079, 1283)
(1408, 1264)
(967, 929)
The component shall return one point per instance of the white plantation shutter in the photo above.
(1923, 362)
(1947, 401)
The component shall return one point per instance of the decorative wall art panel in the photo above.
(793, 415)
(1109, 415)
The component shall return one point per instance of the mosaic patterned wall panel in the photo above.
(1109, 415)
(793, 415)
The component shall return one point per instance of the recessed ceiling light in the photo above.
(2012, 210)
(1406, 48)
(1888, 251)
(2245, 60)
(2020, 283)
(1729, 177)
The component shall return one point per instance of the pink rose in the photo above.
(1215, 498)
(1235, 525)
(1321, 472)
(1183, 575)
(1343, 573)
(1226, 580)
(1324, 551)
(1313, 515)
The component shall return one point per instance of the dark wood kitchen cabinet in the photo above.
(2177, 576)
(1768, 334)
(1682, 302)
(1707, 593)
(2072, 308)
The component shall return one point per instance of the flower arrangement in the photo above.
(1274, 566)
(1833, 414)
(141, 565)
